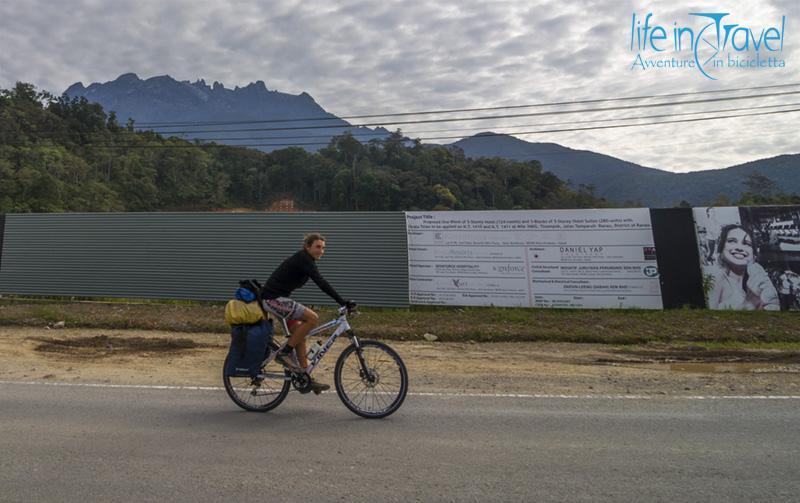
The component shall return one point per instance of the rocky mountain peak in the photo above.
(164, 99)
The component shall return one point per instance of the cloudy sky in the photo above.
(367, 57)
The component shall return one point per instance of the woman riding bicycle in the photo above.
(289, 276)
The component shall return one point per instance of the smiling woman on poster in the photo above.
(739, 282)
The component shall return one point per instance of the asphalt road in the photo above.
(62, 443)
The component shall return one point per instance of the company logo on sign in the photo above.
(712, 43)
(581, 250)
(508, 268)
(459, 283)
(650, 271)
(649, 252)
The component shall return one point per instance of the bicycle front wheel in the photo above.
(261, 394)
(371, 380)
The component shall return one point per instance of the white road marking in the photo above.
(107, 385)
(431, 394)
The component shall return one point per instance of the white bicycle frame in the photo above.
(342, 326)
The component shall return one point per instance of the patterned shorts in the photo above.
(284, 307)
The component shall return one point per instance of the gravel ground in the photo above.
(195, 359)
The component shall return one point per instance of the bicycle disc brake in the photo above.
(370, 377)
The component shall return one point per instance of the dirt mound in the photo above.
(107, 345)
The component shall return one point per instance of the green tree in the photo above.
(63, 154)
(446, 199)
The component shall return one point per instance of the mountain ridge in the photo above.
(623, 181)
(162, 99)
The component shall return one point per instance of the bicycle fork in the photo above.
(366, 373)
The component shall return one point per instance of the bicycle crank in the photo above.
(301, 382)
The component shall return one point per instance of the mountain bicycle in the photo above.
(370, 377)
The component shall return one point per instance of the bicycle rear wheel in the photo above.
(261, 394)
(371, 380)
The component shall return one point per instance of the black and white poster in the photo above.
(543, 258)
(750, 256)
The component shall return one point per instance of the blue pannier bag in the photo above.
(249, 346)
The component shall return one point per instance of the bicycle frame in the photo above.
(342, 326)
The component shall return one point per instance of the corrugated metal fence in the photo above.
(199, 256)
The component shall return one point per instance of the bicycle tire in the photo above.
(258, 395)
(375, 397)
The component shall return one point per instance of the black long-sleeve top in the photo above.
(293, 273)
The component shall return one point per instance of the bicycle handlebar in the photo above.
(350, 312)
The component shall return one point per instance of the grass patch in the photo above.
(50, 313)
(107, 300)
(726, 345)
(485, 324)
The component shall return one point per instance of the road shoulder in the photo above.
(148, 357)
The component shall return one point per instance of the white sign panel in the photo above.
(539, 258)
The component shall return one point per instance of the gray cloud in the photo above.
(359, 56)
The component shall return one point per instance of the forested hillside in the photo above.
(773, 180)
(67, 155)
